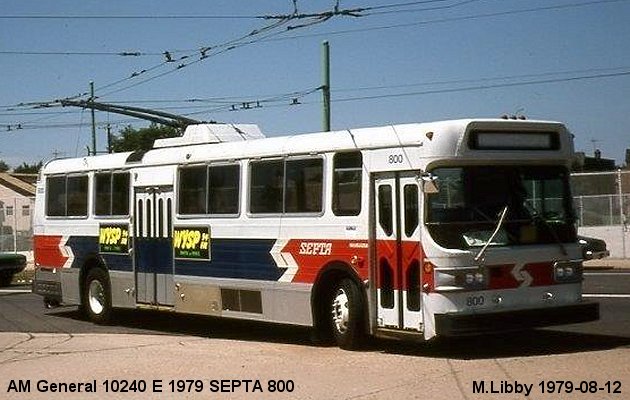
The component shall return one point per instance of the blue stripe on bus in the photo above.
(84, 247)
(154, 255)
(230, 258)
(118, 262)
(234, 258)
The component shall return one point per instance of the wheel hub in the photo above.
(340, 311)
(96, 297)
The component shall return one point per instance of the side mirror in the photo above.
(430, 184)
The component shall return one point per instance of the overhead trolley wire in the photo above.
(251, 105)
(279, 25)
(357, 12)
(428, 22)
(413, 10)
(487, 86)
(270, 32)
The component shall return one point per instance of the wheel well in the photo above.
(90, 263)
(322, 293)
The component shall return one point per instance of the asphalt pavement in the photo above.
(150, 355)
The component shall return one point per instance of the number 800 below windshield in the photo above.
(464, 212)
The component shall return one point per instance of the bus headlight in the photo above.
(447, 279)
(567, 271)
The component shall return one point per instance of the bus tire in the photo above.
(6, 278)
(347, 314)
(97, 304)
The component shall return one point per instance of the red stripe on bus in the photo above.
(47, 252)
(509, 277)
(311, 255)
(411, 257)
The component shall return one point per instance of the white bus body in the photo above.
(415, 230)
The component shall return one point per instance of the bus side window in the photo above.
(77, 196)
(111, 193)
(224, 186)
(120, 193)
(56, 196)
(193, 190)
(304, 186)
(347, 170)
(67, 196)
(294, 186)
(102, 193)
(266, 187)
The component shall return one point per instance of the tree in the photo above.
(131, 139)
(28, 168)
(4, 167)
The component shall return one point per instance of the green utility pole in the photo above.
(109, 138)
(326, 86)
(93, 121)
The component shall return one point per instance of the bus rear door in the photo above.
(153, 214)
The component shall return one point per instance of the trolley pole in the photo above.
(93, 120)
(326, 86)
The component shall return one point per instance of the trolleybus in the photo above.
(408, 231)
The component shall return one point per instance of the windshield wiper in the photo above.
(537, 217)
(496, 230)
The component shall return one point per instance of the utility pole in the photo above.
(326, 86)
(109, 138)
(93, 121)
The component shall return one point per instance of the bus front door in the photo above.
(153, 236)
(396, 267)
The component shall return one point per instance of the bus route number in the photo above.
(395, 158)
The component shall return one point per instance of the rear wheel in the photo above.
(6, 278)
(347, 315)
(97, 299)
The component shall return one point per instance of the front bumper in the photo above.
(473, 324)
(47, 283)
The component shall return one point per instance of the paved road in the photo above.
(21, 311)
(57, 345)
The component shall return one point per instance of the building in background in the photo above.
(584, 163)
(17, 197)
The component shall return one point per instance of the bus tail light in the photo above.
(428, 267)
(428, 277)
(357, 261)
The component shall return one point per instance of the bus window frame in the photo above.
(111, 194)
(334, 188)
(209, 165)
(87, 196)
(285, 159)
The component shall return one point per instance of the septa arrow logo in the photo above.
(522, 276)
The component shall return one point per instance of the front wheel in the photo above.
(347, 315)
(97, 299)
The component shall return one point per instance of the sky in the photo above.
(393, 61)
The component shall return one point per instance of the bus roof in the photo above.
(442, 138)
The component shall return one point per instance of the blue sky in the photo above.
(565, 60)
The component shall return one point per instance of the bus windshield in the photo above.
(464, 212)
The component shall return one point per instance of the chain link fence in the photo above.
(16, 224)
(602, 202)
